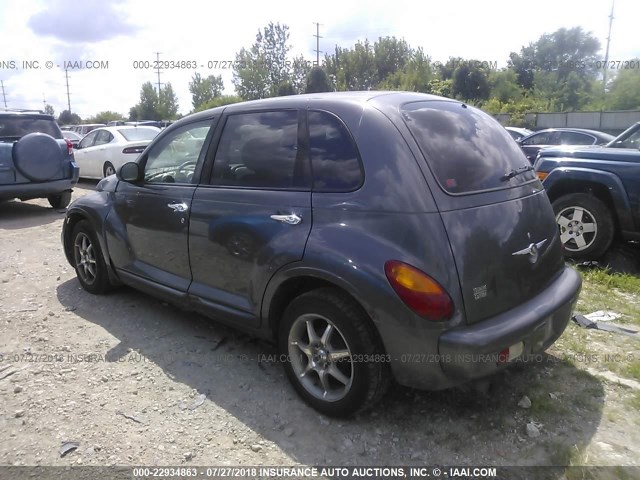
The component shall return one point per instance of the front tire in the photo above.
(60, 200)
(586, 226)
(334, 358)
(88, 260)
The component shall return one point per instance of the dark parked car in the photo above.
(595, 193)
(535, 142)
(35, 160)
(371, 234)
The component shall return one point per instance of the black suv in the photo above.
(35, 159)
(371, 234)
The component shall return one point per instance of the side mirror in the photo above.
(129, 172)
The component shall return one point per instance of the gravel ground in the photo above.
(138, 382)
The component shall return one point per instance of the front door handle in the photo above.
(292, 219)
(178, 207)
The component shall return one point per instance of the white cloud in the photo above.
(126, 31)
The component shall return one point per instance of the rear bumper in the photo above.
(469, 352)
(472, 351)
(42, 189)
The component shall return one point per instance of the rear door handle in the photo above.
(178, 207)
(291, 219)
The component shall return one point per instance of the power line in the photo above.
(158, 72)
(318, 37)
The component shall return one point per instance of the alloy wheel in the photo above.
(85, 258)
(578, 228)
(320, 357)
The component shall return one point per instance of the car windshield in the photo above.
(139, 133)
(466, 149)
(17, 127)
(627, 139)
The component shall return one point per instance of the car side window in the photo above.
(174, 158)
(574, 138)
(260, 149)
(88, 140)
(544, 138)
(103, 137)
(334, 158)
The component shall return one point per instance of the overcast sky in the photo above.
(123, 31)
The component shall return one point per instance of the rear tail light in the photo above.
(542, 175)
(133, 150)
(421, 293)
(69, 146)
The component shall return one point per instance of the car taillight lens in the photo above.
(133, 150)
(69, 146)
(542, 175)
(419, 291)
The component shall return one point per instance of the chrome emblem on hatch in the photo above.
(532, 250)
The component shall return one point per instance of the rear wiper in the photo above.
(516, 171)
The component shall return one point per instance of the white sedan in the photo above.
(103, 150)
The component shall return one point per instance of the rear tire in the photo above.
(88, 260)
(586, 226)
(322, 333)
(108, 169)
(60, 200)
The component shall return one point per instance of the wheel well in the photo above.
(104, 166)
(295, 287)
(71, 220)
(598, 190)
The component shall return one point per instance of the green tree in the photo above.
(219, 101)
(471, 81)
(48, 109)
(300, 70)
(204, 90)
(259, 71)
(147, 107)
(559, 67)
(504, 85)
(152, 107)
(624, 93)
(285, 89)
(68, 118)
(105, 117)
(318, 81)
(167, 103)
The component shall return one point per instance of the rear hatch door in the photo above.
(498, 218)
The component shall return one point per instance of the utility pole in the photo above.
(606, 53)
(44, 102)
(158, 72)
(66, 76)
(4, 96)
(318, 37)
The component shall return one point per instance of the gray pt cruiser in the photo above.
(372, 235)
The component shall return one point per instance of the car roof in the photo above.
(117, 128)
(382, 99)
(595, 133)
(44, 116)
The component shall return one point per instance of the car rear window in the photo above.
(466, 149)
(19, 126)
(138, 133)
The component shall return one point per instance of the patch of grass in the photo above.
(605, 278)
(634, 402)
(632, 369)
(605, 290)
(562, 454)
